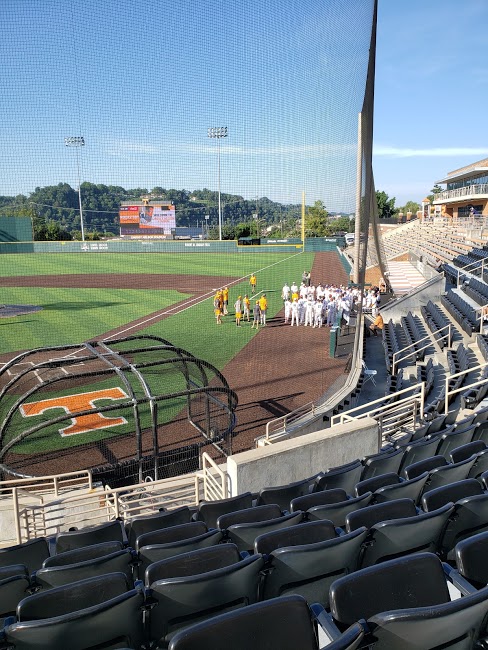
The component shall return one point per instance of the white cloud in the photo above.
(439, 152)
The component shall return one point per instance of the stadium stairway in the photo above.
(404, 277)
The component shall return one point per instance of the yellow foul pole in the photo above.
(303, 220)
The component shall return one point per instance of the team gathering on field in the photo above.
(307, 304)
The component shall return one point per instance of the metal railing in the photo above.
(391, 416)
(450, 392)
(396, 355)
(48, 516)
(460, 192)
(54, 484)
(215, 480)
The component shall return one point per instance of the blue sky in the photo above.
(143, 82)
(431, 93)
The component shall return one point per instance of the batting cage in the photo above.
(128, 409)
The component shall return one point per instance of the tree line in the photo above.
(55, 212)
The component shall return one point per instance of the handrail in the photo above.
(416, 350)
(483, 308)
(454, 391)
(416, 398)
(476, 264)
(212, 488)
(50, 483)
(96, 506)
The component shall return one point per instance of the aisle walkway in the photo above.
(404, 277)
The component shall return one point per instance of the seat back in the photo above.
(383, 462)
(193, 563)
(480, 465)
(471, 557)
(244, 535)
(337, 512)
(106, 532)
(13, 589)
(155, 552)
(210, 511)
(82, 554)
(277, 624)
(456, 438)
(309, 532)
(249, 515)
(31, 554)
(417, 451)
(318, 499)
(454, 625)
(140, 525)
(408, 489)
(449, 474)
(465, 451)
(114, 621)
(310, 570)
(73, 597)
(344, 477)
(426, 465)
(450, 493)
(470, 517)
(372, 515)
(283, 494)
(122, 561)
(172, 534)
(375, 483)
(399, 537)
(413, 581)
(182, 600)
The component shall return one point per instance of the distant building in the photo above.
(466, 191)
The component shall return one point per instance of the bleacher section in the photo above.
(168, 578)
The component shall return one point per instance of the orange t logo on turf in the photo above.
(75, 404)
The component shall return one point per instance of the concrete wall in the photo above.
(293, 460)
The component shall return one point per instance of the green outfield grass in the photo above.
(223, 264)
(77, 315)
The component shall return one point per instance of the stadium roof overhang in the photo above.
(469, 173)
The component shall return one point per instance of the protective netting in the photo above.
(107, 105)
(142, 84)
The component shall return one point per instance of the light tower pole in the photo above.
(77, 142)
(218, 132)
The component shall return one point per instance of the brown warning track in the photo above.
(279, 370)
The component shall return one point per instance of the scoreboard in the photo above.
(147, 219)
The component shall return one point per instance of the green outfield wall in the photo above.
(167, 246)
(15, 229)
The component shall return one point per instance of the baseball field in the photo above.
(101, 296)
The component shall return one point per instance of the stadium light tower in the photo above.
(218, 132)
(77, 142)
